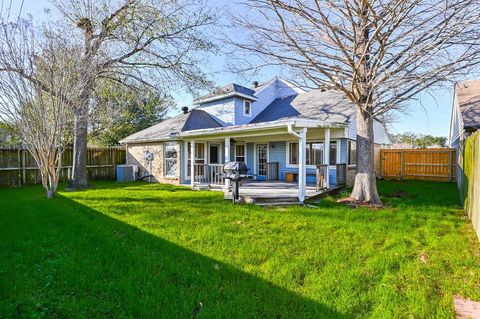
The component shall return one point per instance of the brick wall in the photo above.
(135, 156)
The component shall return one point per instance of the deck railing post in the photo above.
(227, 159)
(326, 155)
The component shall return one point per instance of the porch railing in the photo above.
(272, 171)
(216, 174)
(211, 174)
(322, 171)
(321, 174)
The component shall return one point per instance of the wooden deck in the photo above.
(268, 191)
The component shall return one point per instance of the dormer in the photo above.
(234, 104)
(228, 103)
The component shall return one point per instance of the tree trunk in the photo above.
(79, 172)
(365, 187)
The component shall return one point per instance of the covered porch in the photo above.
(295, 159)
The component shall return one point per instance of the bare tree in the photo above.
(39, 110)
(378, 53)
(134, 43)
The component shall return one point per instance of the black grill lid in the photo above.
(235, 166)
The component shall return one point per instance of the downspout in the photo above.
(292, 132)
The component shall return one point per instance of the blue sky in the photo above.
(429, 114)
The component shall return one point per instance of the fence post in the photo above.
(402, 164)
(24, 167)
(382, 158)
(450, 166)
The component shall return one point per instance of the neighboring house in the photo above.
(465, 117)
(262, 126)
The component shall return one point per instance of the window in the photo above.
(314, 153)
(214, 154)
(247, 108)
(317, 153)
(171, 159)
(352, 152)
(240, 152)
(293, 153)
(333, 152)
(199, 155)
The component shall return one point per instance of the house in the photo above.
(281, 132)
(465, 118)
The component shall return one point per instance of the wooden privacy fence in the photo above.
(436, 164)
(469, 179)
(18, 167)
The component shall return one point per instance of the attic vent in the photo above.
(255, 84)
(185, 109)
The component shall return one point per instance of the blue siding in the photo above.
(277, 153)
(241, 119)
(343, 150)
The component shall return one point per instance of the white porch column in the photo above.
(227, 159)
(326, 155)
(302, 165)
(192, 163)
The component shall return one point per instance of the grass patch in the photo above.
(150, 251)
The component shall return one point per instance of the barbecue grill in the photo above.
(235, 171)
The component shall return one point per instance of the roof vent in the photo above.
(185, 109)
(255, 84)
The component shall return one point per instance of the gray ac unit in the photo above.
(126, 173)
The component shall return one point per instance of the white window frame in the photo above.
(348, 153)
(250, 108)
(244, 151)
(287, 160)
(165, 159)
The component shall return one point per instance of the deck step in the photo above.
(278, 203)
(266, 201)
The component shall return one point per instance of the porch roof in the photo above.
(261, 127)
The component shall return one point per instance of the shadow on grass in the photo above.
(61, 259)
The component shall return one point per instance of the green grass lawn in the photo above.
(151, 251)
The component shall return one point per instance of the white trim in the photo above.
(192, 162)
(250, 108)
(299, 123)
(224, 96)
(227, 147)
(185, 156)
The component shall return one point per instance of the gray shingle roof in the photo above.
(468, 96)
(230, 89)
(330, 106)
(194, 120)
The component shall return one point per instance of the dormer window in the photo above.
(247, 108)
